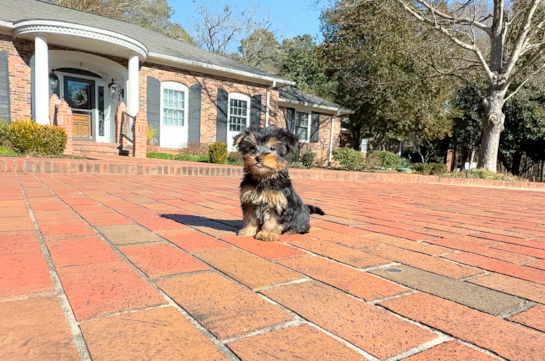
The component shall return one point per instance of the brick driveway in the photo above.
(109, 267)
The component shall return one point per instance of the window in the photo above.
(174, 104)
(238, 112)
(302, 125)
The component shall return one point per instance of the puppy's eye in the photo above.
(272, 149)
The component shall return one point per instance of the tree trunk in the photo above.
(517, 158)
(493, 120)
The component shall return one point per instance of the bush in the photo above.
(217, 153)
(160, 155)
(430, 168)
(485, 174)
(25, 137)
(349, 158)
(191, 158)
(308, 159)
(387, 159)
(6, 152)
(199, 149)
(4, 127)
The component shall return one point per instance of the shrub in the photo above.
(159, 155)
(430, 168)
(236, 157)
(297, 165)
(6, 152)
(349, 158)
(485, 174)
(191, 158)
(388, 159)
(308, 159)
(217, 153)
(4, 127)
(296, 155)
(199, 149)
(25, 137)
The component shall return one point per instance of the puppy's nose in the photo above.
(259, 159)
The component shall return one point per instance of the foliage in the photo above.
(430, 168)
(262, 50)
(297, 165)
(4, 127)
(190, 158)
(388, 159)
(217, 153)
(308, 159)
(25, 137)
(302, 65)
(6, 152)
(200, 149)
(151, 132)
(349, 158)
(157, 155)
(374, 53)
(150, 14)
(484, 174)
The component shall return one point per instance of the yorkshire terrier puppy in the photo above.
(269, 203)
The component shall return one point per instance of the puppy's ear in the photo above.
(291, 141)
(239, 138)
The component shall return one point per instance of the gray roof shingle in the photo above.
(297, 96)
(15, 11)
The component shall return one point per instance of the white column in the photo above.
(331, 136)
(132, 93)
(41, 80)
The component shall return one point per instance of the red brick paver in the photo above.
(151, 267)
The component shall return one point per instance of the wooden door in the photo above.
(82, 125)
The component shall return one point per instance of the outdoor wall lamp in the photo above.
(53, 81)
(116, 89)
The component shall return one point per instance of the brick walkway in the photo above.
(109, 267)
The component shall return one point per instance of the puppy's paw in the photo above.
(267, 237)
(248, 231)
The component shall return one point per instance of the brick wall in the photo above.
(321, 148)
(19, 54)
(87, 148)
(210, 85)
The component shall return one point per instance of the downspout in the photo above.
(331, 135)
(268, 101)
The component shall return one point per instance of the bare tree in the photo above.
(215, 32)
(505, 42)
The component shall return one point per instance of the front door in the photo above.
(80, 96)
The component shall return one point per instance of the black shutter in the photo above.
(194, 114)
(5, 113)
(154, 106)
(255, 111)
(290, 120)
(221, 116)
(315, 127)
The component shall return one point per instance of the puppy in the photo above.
(269, 203)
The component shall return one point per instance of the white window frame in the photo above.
(309, 114)
(171, 85)
(238, 96)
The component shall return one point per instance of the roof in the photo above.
(296, 96)
(160, 46)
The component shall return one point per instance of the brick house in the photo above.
(95, 65)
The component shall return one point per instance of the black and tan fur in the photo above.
(269, 202)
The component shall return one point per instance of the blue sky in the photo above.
(297, 17)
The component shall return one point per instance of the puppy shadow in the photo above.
(195, 221)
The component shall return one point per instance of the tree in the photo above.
(150, 14)
(371, 54)
(524, 133)
(302, 65)
(504, 46)
(262, 50)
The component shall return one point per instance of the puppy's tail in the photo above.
(315, 210)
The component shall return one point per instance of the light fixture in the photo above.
(53, 81)
(115, 89)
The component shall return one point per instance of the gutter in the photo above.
(331, 136)
(198, 64)
(6, 24)
(312, 105)
(268, 101)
